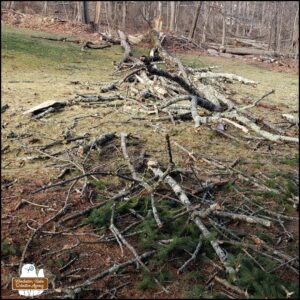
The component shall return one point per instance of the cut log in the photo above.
(44, 106)
(250, 51)
(251, 43)
(92, 45)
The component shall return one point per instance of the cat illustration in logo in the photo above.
(29, 270)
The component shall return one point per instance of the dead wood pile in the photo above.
(162, 91)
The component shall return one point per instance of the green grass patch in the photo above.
(290, 161)
(19, 49)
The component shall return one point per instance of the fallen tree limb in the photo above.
(127, 56)
(231, 287)
(225, 76)
(193, 257)
(152, 165)
(114, 269)
(250, 51)
(248, 219)
(114, 229)
(200, 100)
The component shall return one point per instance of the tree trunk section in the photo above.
(97, 15)
(124, 15)
(195, 20)
(86, 12)
(224, 25)
(238, 12)
(205, 24)
(172, 16)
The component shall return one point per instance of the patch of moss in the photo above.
(8, 249)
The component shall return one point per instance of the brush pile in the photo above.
(192, 211)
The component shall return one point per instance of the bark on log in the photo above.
(44, 106)
(191, 90)
(251, 51)
(225, 76)
(91, 45)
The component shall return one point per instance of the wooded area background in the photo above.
(274, 25)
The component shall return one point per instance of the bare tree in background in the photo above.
(224, 15)
(124, 14)
(172, 15)
(97, 15)
(45, 7)
(195, 20)
(208, 11)
(238, 13)
(86, 12)
(79, 11)
(270, 23)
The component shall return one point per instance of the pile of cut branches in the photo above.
(169, 212)
(168, 207)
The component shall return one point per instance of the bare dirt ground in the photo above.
(28, 80)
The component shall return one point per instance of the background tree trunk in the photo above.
(195, 20)
(208, 9)
(45, 7)
(172, 16)
(124, 15)
(79, 11)
(98, 15)
(159, 9)
(252, 18)
(295, 28)
(238, 14)
(86, 12)
(224, 24)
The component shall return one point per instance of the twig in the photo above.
(231, 287)
(248, 219)
(111, 228)
(113, 269)
(26, 201)
(88, 210)
(79, 177)
(169, 149)
(125, 154)
(257, 101)
(193, 257)
(61, 212)
(155, 214)
(115, 229)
